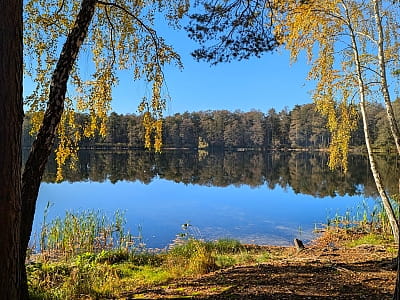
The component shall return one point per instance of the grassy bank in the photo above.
(109, 273)
(88, 255)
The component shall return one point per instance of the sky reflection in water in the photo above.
(252, 215)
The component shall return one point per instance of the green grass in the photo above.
(370, 239)
(366, 220)
(87, 231)
(89, 255)
(111, 272)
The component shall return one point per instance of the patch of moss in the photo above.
(369, 239)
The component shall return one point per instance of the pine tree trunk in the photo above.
(44, 142)
(11, 116)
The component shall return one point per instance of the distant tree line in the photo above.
(304, 172)
(301, 128)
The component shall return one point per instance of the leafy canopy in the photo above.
(120, 37)
(237, 29)
(228, 30)
(330, 34)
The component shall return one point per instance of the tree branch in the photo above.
(112, 29)
(151, 31)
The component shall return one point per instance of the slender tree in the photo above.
(339, 37)
(341, 68)
(392, 43)
(119, 36)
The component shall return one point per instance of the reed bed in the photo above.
(89, 255)
(85, 231)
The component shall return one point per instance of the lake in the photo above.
(255, 197)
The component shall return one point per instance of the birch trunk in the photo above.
(383, 78)
(389, 112)
(377, 178)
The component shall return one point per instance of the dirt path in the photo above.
(326, 269)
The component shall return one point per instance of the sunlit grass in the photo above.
(110, 272)
(88, 255)
(86, 231)
(371, 239)
(365, 219)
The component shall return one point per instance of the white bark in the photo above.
(377, 178)
(383, 78)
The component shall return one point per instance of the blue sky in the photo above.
(258, 83)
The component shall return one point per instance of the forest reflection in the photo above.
(304, 172)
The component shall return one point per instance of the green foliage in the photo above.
(224, 261)
(303, 127)
(191, 257)
(228, 31)
(113, 256)
(224, 246)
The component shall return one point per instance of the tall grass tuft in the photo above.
(87, 231)
(364, 219)
(190, 258)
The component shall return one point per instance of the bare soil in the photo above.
(325, 269)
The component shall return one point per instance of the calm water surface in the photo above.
(267, 210)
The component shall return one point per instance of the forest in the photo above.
(301, 128)
(70, 55)
(304, 172)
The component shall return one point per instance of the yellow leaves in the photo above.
(321, 31)
(148, 126)
(158, 125)
(342, 121)
(304, 25)
(153, 127)
(103, 127)
(118, 39)
(37, 119)
(69, 136)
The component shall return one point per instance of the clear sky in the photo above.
(258, 83)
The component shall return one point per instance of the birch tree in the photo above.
(345, 48)
(352, 46)
(77, 46)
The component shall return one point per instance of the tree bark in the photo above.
(389, 113)
(11, 116)
(377, 178)
(44, 142)
(396, 294)
(382, 74)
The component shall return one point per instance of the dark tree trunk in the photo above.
(11, 117)
(44, 142)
